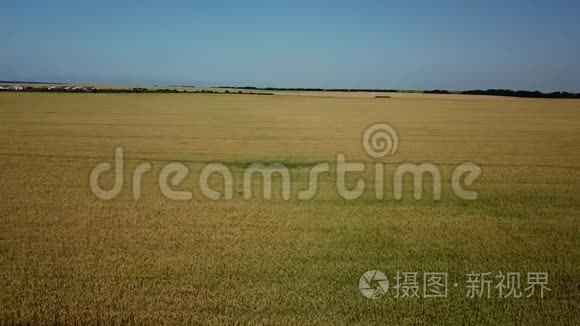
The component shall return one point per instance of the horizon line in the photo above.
(318, 89)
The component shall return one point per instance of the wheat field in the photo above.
(69, 257)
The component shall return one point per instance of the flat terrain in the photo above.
(68, 257)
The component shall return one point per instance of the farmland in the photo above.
(68, 257)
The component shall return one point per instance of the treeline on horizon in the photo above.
(136, 90)
(491, 92)
(509, 92)
(317, 89)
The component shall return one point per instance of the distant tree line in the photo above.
(509, 92)
(437, 91)
(315, 89)
(136, 90)
(494, 92)
(534, 94)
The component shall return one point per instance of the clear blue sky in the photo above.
(353, 44)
